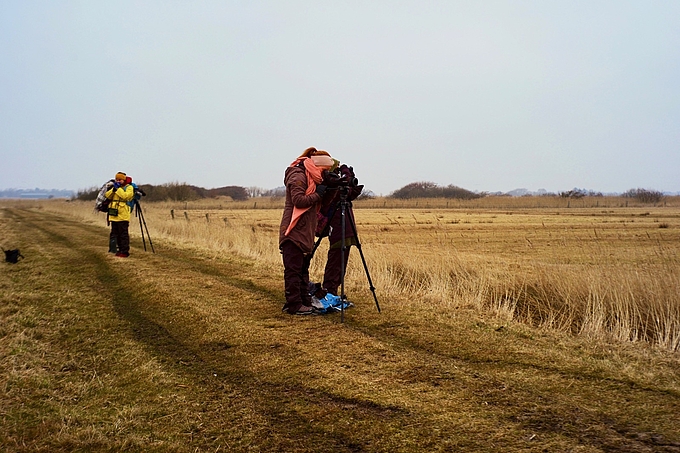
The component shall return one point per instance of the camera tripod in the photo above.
(343, 206)
(140, 215)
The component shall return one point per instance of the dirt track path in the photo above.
(174, 351)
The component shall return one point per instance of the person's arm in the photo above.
(128, 193)
(297, 186)
(114, 188)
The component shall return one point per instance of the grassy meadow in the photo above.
(596, 268)
(507, 324)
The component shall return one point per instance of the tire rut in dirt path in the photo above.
(109, 274)
(130, 295)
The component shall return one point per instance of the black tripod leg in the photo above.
(316, 246)
(343, 249)
(147, 234)
(363, 260)
(139, 216)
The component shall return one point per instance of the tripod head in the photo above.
(139, 193)
(343, 176)
(343, 193)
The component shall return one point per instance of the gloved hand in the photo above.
(116, 185)
(320, 189)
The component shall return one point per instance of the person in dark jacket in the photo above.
(333, 275)
(304, 192)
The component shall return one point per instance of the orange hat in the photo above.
(120, 175)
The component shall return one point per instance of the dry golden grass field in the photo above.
(533, 324)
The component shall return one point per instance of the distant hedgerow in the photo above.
(174, 191)
(644, 195)
(87, 194)
(432, 190)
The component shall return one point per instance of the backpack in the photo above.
(138, 195)
(102, 203)
(12, 256)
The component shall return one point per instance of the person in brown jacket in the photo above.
(304, 192)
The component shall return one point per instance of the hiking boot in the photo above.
(122, 255)
(304, 310)
(316, 303)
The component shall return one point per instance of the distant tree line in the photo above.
(174, 192)
(432, 190)
(641, 195)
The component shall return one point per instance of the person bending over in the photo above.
(304, 190)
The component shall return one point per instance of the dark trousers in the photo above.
(295, 276)
(119, 232)
(332, 276)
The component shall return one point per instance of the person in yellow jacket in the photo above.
(119, 213)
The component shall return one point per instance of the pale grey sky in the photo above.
(485, 95)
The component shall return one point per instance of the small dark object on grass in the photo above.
(12, 256)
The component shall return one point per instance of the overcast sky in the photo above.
(485, 95)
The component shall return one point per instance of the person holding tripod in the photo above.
(119, 213)
(333, 272)
(304, 191)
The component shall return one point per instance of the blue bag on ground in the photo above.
(331, 304)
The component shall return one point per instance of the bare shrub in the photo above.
(235, 192)
(644, 195)
(87, 194)
(580, 193)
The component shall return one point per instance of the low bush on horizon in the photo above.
(644, 195)
(432, 190)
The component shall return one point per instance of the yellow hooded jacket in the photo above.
(119, 198)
